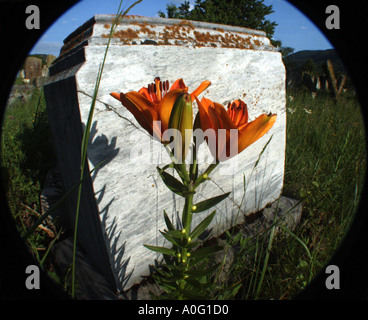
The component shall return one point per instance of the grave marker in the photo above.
(123, 200)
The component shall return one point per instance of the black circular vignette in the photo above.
(351, 257)
(17, 42)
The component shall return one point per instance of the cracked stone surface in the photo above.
(124, 199)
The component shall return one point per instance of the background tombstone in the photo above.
(123, 201)
(49, 60)
(32, 68)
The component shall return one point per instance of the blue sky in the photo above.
(294, 28)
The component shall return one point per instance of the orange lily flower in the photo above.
(155, 103)
(214, 116)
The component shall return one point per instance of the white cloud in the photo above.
(303, 28)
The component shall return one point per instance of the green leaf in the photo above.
(206, 204)
(167, 287)
(171, 182)
(177, 234)
(169, 225)
(315, 183)
(174, 241)
(161, 250)
(297, 239)
(192, 244)
(192, 296)
(194, 283)
(202, 226)
(201, 273)
(202, 286)
(204, 252)
(236, 289)
(162, 274)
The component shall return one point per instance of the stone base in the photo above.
(90, 284)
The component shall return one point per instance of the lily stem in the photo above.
(205, 174)
(187, 214)
(186, 221)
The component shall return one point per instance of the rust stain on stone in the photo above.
(186, 23)
(146, 30)
(184, 33)
(128, 34)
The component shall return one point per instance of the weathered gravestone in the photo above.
(49, 60)
(123, 200)
(32, 68)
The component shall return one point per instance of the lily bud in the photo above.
(181, 119)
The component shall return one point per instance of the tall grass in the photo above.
(325, 169)
(326, 156)
(26, 156)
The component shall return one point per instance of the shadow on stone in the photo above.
(100, 150)
(118, 262)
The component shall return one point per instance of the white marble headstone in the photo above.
(129, 194)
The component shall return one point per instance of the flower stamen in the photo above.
(158, 87)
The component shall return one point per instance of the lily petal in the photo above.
(178, 84)
(254, 130)
(203, 86)
(115, 95)
(144, 91)
(166, 105)
(143, 110)
(238, 112)
(203, 113)
(223, 117)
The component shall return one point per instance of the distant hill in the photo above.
(314, 60)
(298, 59)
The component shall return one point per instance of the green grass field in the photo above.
(26, 154)
(325, 168)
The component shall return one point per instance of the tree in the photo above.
(286, 51)
(243, 13)
(181, 12)
(310, 67)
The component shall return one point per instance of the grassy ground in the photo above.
(325, 166)
(27, 154)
